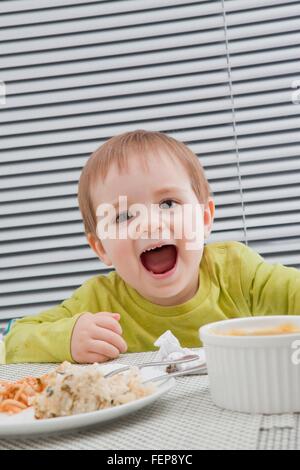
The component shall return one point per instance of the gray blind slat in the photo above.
(85, 10)
(127, 48)
(210, 62)
(99, 106)
(111, 23)
(108, 36)
(123, 78)
(189, 88)
(8, 6)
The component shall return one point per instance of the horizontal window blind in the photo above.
(263, 46)
(214, 74)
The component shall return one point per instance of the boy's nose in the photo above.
(154, 226)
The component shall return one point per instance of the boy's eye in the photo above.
(168, 201)
(123, 216)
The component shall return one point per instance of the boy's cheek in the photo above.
(123, 256)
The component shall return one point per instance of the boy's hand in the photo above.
(97, 338)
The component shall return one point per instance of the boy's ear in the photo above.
(97, 246)
(209, 214)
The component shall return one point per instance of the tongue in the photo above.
(160, 260)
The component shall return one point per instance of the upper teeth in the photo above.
(153, 248)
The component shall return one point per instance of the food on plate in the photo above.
(73, 389)
(284, 329)
(17, 396)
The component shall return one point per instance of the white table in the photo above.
(184, 419)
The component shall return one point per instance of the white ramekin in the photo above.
(254, 374)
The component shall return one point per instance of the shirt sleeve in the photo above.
(269, 289)
(46, 337)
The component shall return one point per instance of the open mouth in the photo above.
(159, 260)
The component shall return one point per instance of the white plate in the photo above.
(24, 423)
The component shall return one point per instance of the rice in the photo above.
(73, 389)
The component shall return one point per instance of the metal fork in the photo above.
(184, 359)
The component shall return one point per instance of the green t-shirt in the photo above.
(235, 281)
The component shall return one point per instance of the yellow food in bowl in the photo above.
(277, 330)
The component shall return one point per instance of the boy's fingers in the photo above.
(103, 334)
(107, 313)
(92, 357)
(103, 348)
(117, 316)
(109, 323)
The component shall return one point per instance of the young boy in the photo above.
(159, 283)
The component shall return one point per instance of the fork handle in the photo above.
(176, 374)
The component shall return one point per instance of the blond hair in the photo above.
(118, 150)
